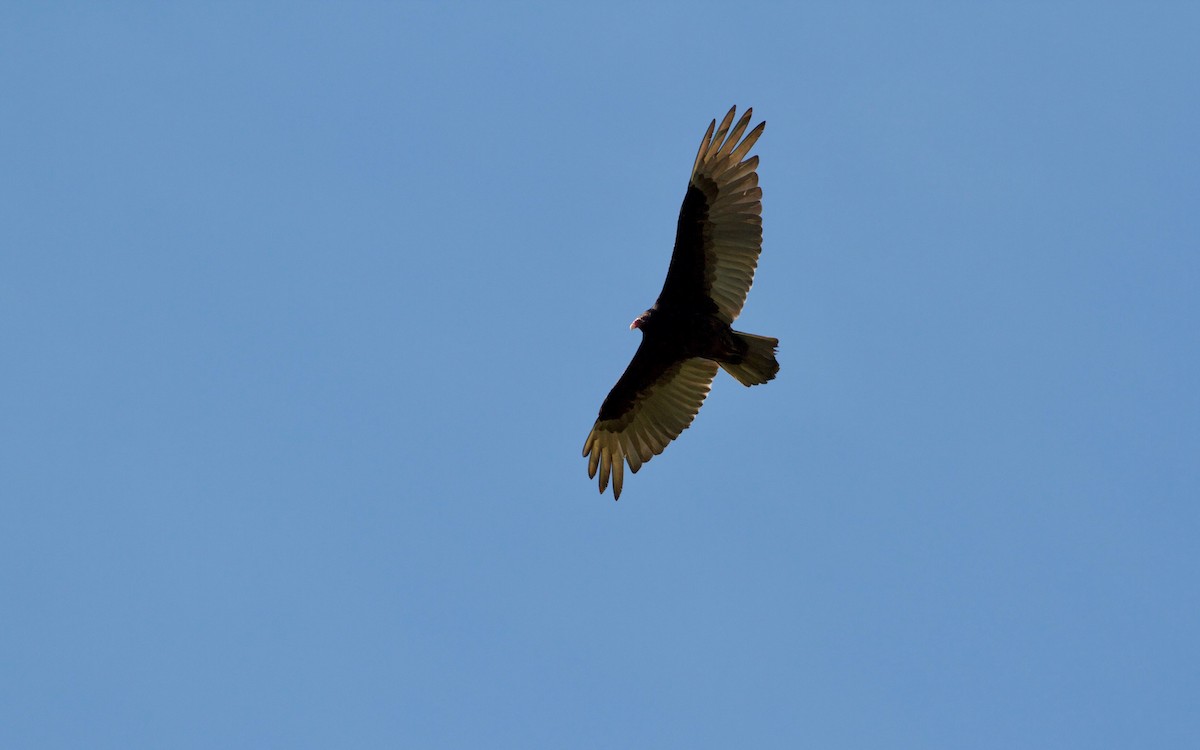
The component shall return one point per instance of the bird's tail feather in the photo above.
(758, 364)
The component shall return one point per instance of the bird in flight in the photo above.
(687, 334)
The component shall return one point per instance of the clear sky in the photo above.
(306, 310)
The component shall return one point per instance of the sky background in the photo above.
(306, 310)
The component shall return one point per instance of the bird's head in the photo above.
(640, 320)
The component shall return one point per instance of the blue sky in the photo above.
(307, 309)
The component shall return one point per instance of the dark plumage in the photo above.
(686, 335)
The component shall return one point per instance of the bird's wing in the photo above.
(719, 236)
(654, 401)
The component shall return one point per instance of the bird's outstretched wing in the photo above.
(719, 236)
(654, 401)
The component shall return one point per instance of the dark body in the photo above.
(669, 336)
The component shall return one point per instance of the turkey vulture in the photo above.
(687, 333)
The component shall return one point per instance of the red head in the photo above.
(640, 320)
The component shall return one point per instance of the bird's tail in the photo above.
(758, 364)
